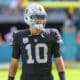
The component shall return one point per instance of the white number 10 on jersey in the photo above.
(37, 53)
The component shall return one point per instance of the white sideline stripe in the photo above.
(4, 65)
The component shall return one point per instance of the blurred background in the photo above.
(62, 14)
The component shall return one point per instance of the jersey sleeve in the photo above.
(57, 36)
(16, 47)
(57, 41)
(56, 50)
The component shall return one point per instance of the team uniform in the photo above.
(36, 52)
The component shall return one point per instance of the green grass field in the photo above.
(71, 74)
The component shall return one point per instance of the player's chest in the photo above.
(33, 40)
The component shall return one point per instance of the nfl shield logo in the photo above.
(25, 40)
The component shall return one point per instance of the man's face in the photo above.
(39, 19)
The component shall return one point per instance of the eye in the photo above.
(41, 16)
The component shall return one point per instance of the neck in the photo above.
(35, 31)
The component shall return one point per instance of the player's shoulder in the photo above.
(50, 30)
(20, 32)
(53, 34)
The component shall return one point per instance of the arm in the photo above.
(15, 58)
(60, 67)
(57, 54)
(59, 61)
(59, 64)
(13, 69)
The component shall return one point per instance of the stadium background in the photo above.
(62, 14)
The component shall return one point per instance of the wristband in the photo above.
(62, 75)
(10, 78)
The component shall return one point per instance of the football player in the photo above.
(36, 46)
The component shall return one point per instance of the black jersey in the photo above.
(36, 50)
